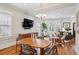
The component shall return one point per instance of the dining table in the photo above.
(36, 43)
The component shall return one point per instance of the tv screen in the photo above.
(27, 23)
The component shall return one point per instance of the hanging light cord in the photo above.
(41, 10)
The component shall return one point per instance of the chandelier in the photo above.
(41, 15)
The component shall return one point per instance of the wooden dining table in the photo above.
(36, 43)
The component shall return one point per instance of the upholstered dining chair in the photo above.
(68, 39)
(27, 50)
(52, 50)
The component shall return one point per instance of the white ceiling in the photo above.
(52, 10)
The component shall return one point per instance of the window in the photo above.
(5, 24)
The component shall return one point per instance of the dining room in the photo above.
(40, 29)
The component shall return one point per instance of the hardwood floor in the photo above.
(66, 50)
(10, 51)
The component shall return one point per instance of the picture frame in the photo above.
(66, 25)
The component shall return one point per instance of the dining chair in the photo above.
(28, 50)
(34, 35)
(52, 50)
(17, 39)
(68, 39)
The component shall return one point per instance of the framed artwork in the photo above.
(66, 25)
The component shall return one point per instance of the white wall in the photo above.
(16, 26)
(17, 19)
(58, 22)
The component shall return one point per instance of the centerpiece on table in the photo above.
(44, 30)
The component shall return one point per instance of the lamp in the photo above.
(63, 29)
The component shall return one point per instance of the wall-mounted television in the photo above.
(27, 23)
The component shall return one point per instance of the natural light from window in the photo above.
(5, 24)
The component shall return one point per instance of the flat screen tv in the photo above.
(27, 23)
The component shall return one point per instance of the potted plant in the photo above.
(44, 28)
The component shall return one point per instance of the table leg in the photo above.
(42, 52)
(20, 50)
